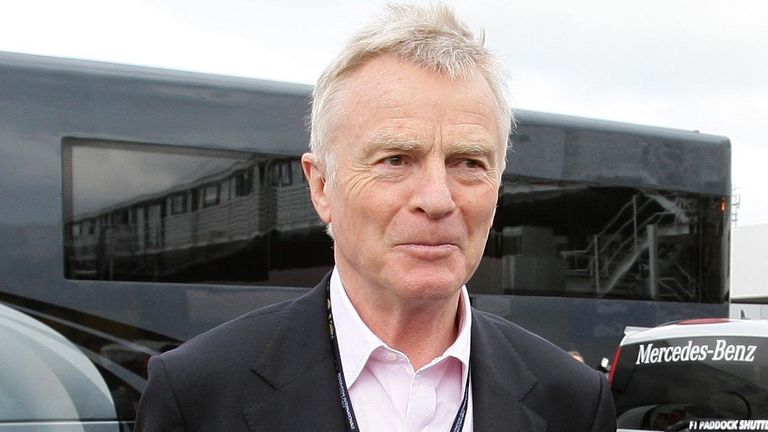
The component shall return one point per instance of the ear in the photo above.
(317, 186)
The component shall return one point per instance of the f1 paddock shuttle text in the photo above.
(728, 425)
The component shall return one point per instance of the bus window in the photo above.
(588, 240)
(231, 235)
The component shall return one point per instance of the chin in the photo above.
(431, 288)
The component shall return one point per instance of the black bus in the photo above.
(142, 206)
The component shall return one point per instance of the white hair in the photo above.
(431, 37)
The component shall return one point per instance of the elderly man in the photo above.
(408, 138)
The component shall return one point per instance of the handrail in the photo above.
(626, 223)
(596, 247)
(651, 219)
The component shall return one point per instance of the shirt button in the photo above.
(392, 356)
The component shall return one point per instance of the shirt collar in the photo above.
(357, 342)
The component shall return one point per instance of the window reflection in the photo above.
(143, 212)
(158, 213)
(578, 239)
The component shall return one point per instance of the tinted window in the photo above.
(177, 214)
(159, 213)
(659, 383)
(587, 240)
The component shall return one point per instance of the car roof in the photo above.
(48, 377)
(698, 328)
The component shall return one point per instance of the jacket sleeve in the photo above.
(604, 419)
(158, 407)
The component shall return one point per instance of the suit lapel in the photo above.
(500, 382)
(297, 364)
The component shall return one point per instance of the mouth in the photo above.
(428, 250)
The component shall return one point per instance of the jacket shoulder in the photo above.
(543, 358)
(248, 325)
(243, 342)
(210, 381)
(565, 392)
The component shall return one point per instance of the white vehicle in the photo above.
(47, 384)
(707, 374)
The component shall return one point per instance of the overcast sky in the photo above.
(694, 64)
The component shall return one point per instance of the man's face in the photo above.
(416, 180)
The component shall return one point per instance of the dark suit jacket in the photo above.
(272, 370)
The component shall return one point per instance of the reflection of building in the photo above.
(169, 233)
(637, 244)
(585, 240)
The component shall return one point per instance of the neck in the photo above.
(422, 330)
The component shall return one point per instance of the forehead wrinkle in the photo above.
(480, 111)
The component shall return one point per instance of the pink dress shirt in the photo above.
(386, 393)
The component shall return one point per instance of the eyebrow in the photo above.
(474, 146)
(387, 141)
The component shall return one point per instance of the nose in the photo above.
(432, 192)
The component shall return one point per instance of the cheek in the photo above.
(360, 202)
(480, 210)
(355, 180)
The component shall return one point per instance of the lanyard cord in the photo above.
(346, 402)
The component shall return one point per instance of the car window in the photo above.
(659, 383)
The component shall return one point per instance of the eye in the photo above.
(472, 163)
(394, 160)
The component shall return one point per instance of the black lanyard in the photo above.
(346, 403)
